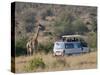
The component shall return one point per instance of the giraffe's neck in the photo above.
(37, 33)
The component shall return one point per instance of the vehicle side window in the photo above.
(84, 44)
(79, 45)
(69, 45)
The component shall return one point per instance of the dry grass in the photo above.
(82, 61)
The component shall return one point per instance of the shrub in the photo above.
(59, 62)
(35, 64)
(68, 24)
(92, 39)
(79, 27)
(46, 47)
(48, 34)
(20, 46)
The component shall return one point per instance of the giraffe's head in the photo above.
(39, 24)
(41, 27)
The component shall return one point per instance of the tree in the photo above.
(63, 24)
(79, 27)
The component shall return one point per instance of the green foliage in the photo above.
(93, 15)
(79, 27)
(94, 25)
(46, 47)
(67, 24)
(48, 33)
(20, 46)
(60, 62)
(62, 25)
(49, 12)
(35, 64)
(92, 40)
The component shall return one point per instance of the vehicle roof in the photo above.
(59, 42)
(67, 42)
(71, 36)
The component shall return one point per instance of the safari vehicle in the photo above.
(71, 44)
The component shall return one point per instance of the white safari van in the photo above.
(70, 46)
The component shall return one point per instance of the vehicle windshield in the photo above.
(59, 45)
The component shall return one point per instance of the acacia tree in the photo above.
(79, 27)
(68, 24)
(63, 24)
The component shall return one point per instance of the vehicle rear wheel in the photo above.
(69, 54)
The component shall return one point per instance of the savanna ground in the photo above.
(47, 62)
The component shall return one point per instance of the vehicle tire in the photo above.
(69, 54)
(63, 52)
(89, 50)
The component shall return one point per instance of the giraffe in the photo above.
(32, 44)
(35, 40)
(29, 47)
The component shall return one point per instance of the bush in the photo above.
(68, 24)
(92, 40)
(48, 34)
(46, 47)
(20, 46)
(35, 64)
(79, 27)
(60, 62)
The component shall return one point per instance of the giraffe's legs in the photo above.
(35, 50)
(30, 51)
